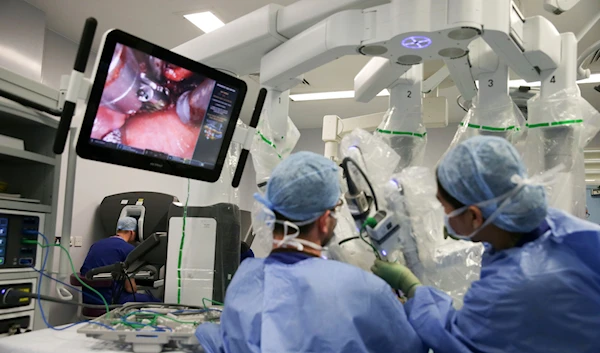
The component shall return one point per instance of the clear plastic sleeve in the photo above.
(262, 226)
(410, 195)
(346, 245)
(377, 159)
(266, 156)
(266, 153)
(446, 264)
(502, 118)
(559, 127)
(405, 134)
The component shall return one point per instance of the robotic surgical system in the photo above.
(195, 86)
(200, 266)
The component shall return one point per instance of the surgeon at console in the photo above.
(296, 301)
(107, 252)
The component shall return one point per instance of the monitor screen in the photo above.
(153, 109)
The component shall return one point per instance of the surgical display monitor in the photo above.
(152, 109)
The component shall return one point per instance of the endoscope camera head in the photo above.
(359, 204)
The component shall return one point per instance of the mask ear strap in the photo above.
(290, 238)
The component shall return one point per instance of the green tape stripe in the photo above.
(181, 245)
(490, 128)
(407, 133)
(268, 142)
(555, 123)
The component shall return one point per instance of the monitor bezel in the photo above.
(85, 149)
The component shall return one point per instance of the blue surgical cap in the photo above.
(127, 223)
(480, 169)
(302, 187)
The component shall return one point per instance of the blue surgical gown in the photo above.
(286, 304)
(543, 296)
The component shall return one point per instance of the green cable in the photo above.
(204, 300)
(156, 315)
(368, 222)
(72, 269)
(185, 207)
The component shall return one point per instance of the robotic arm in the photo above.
(402, 33)
(239, 46)
(557, 7)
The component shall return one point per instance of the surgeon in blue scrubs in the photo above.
(109, 251)
(296, 301)
(539, 289)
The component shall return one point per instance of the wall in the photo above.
(22, 40)
(438, 141)
(311, 140)
(593, 205)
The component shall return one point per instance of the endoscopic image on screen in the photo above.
(150, 106)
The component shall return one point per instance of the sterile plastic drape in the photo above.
(446, 264)
(378, 161)
(266, 155)
(502, 118)
(405, 134)
(559, 127)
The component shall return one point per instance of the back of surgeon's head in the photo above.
(482, 168)
(127, 229)
(304, 188)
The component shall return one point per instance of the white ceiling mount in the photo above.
(557, 7)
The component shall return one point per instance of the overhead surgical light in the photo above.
(416, 42)
(206, 21)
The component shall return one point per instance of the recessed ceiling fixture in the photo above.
(206, 21)
(303, 97)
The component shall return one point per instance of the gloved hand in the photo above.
(397, 276)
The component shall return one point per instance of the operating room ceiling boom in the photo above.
(397, 34)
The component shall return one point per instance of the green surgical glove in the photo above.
(397, 276)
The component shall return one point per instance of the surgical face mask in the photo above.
(504, 199)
